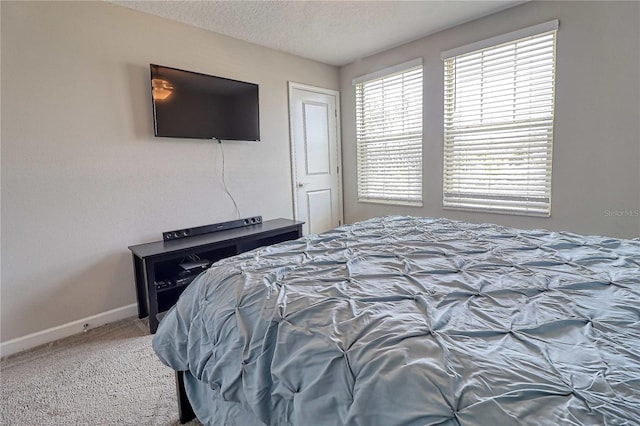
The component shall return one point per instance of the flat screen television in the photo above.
(188, 104)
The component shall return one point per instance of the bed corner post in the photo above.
(184, 406)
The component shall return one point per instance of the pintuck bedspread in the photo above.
(415, 321)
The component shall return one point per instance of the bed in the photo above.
(414, 321)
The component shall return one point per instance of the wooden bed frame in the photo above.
(184, 406)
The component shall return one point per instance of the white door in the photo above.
(315, 156)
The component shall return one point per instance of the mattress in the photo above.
(414, 321)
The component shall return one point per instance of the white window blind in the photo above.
(498, 125)
(389, 135)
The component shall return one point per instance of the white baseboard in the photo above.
(29, 341)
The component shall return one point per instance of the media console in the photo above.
(163, 269)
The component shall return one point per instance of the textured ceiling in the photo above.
(333, 32)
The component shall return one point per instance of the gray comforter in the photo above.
(417, 321)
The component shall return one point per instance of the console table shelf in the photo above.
(160, 279)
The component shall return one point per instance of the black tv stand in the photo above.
(160, 279)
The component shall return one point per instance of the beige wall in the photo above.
(83, 176)
(596, 167)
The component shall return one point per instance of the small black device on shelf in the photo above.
(186, 272)
(195, 266)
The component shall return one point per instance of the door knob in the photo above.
(300, 184)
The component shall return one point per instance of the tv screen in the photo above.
(192, 105)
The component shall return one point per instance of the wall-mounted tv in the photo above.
(188, 104)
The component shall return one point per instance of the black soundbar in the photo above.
(206, 229)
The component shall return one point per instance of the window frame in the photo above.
(376, 133)
(464, 132)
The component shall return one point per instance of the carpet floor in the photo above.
(106, 376)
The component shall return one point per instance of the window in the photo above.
(389, 135)
(498, 123)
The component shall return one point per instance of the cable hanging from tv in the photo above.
(224, 182)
